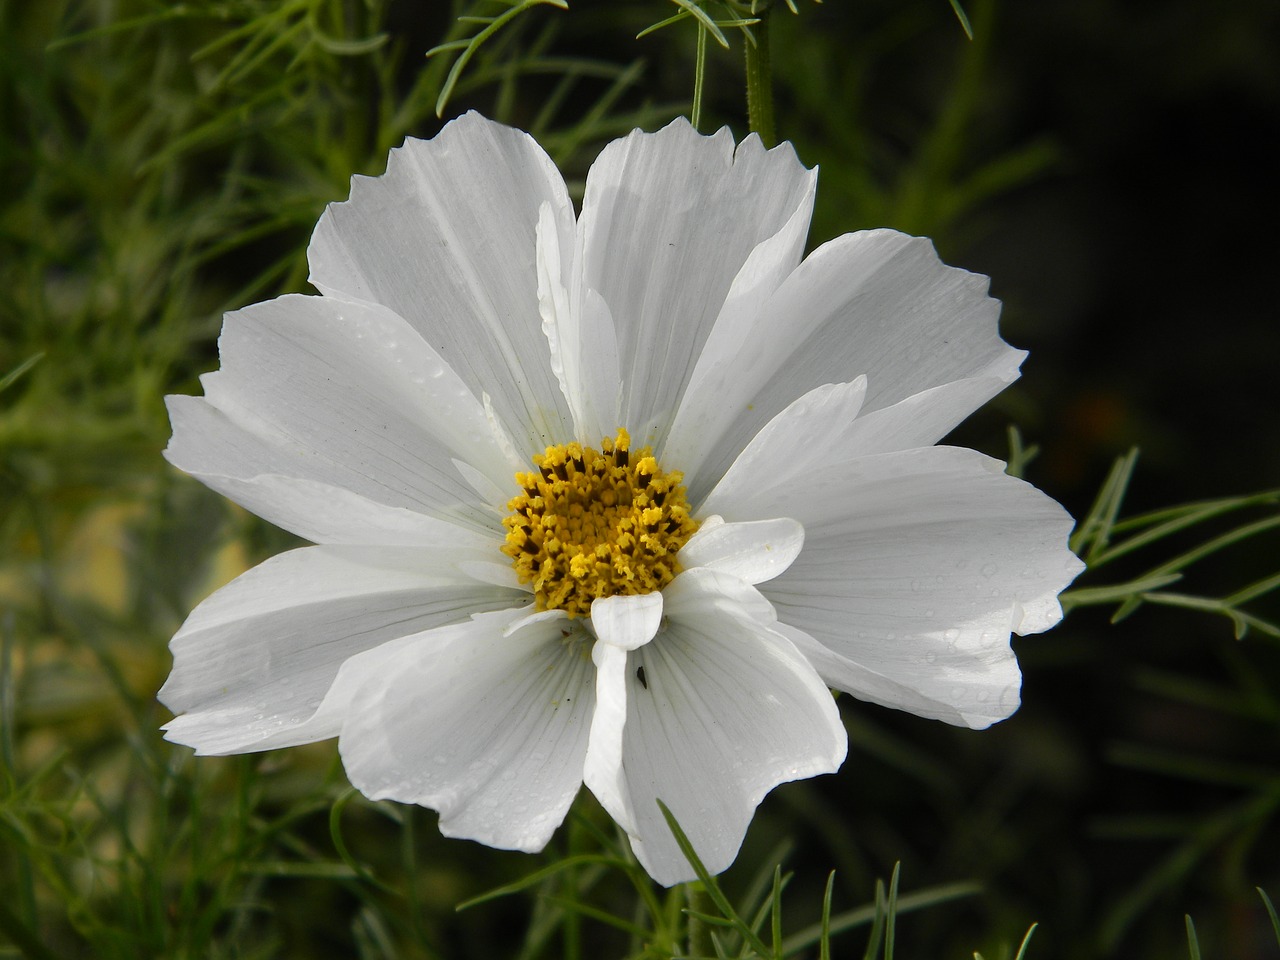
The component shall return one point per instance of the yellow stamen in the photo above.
(596, 523)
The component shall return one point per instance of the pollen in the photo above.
(596, 523)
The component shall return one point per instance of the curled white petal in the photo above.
(668, 220)
(627, 622)
(923, 563)
(709, 717)
(446, 238)
(756, 550)
(486, 727)
(254, 661)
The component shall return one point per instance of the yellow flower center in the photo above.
(596, 523)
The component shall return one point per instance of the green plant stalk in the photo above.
(699, 78)
(699, 902)
(760, 82)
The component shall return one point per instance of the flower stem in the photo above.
(699, 931)
(760, 80)
(699, 77)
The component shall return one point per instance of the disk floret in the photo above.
(596, 523)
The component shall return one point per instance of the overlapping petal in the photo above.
(754, 551)
(486, 725)
(343, 394)
(446, 238)
(668, 220)
(922, 564)
(876, 303)
(719, 709)
(253, 663)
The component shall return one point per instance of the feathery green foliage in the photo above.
(165, 163)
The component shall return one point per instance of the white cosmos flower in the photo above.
(468, 322)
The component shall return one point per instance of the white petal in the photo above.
(627, 622)
(341, 393)
(603, 761)
(916, 566)
(922, 419)
(583, 343)
(489, 729)
(825, 429)
(703, 415)
(532, 615)
(668, 220)
(497, 573)
(795, 442)
(966, 688)
(325, 514)
(754, 551)
(877, 303)
(253, 661)
(720, 709)
(463, 209)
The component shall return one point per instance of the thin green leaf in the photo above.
(877, 928)
(891, 915)
(1143, 520)
(476, 42)
(12, 377)
(1019, 456)
(963, 18)
(446, 47)
(704, 19)
(1207, 549)
(1271, 912)
(1183, 859)
(775, 926)
(755, 901)
(1092, 596)
(1179, 518)
(824, 944)
(1253, 591)
(535, 878)
(176, 12)
(1026, 942)
(1091, 536)
(340, 843)
(713, 919)
(709, 883)
(862, 916)
(1240, 620)
(577, 907)
(699, 78)
(654, 27)
(1193, 942)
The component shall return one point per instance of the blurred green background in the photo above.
(1108, 165)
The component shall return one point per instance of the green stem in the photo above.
(760, 81)
(699, 77)
(699, 932)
